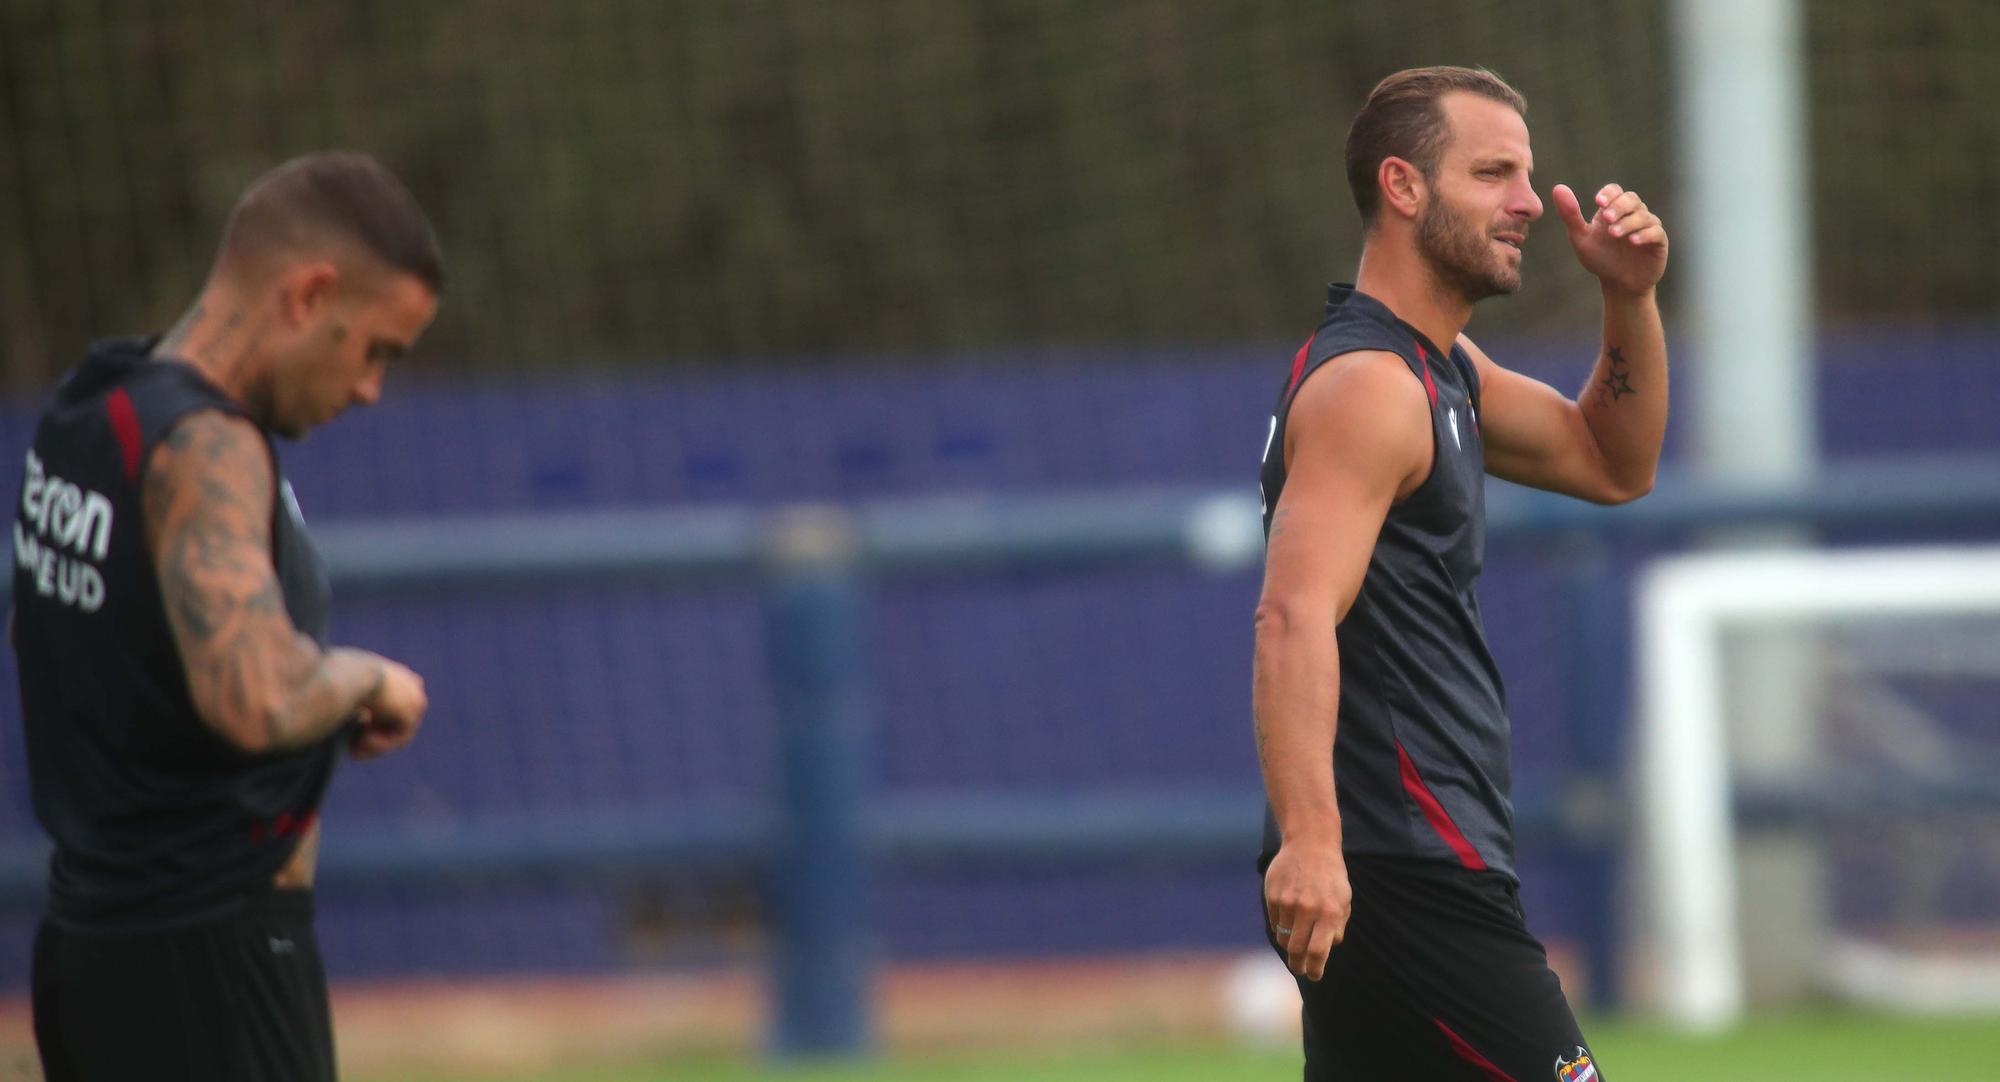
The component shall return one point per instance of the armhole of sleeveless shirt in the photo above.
(1470, 373)
(1430, 418)
(1437, 446)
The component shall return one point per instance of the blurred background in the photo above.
(824, 508)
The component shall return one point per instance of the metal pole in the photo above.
(818, 881)
(1741, 76)
(1747, 249)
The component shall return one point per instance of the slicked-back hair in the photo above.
(1404, 118)
(339, 196)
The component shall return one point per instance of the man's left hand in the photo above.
(1623, 244)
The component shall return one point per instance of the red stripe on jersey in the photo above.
(1299, 366)
(1430, 388)
(125, 426)
(1440, 820)
(286, 825)
(1471, 1055)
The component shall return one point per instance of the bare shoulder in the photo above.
(209, 476)
(208, 449)
(1365, 400)
(211, 435)
(1369, 378)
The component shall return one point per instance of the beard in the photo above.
(1462, 256)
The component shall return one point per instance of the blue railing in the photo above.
(817, 846)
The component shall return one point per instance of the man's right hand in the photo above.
(1358, 437)
(1307, 900)
(389, 718)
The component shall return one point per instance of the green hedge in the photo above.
(703, 182)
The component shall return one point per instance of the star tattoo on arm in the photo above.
(1617, 382)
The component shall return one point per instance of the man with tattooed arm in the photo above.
(183, 712)
(1389, 884)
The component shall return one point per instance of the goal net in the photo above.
(1818, 768)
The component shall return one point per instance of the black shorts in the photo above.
(237, 1000)
(1438, 978)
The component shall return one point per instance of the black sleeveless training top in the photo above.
(158, 822)
(1420, 752)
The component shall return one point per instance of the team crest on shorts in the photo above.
(1580, 1069)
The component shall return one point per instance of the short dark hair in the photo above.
(337, 194)
(1404, 118)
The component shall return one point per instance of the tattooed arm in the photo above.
(253, 676)
(1605, 445)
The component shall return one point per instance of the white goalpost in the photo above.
(1689, 947)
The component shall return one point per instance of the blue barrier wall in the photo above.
(560, 701)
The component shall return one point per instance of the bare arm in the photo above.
(1357, 438)
(253, 676)
(1605, 445)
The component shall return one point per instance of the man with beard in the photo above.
(1389, 884)
(182, 708)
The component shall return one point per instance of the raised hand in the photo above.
(1623, 243)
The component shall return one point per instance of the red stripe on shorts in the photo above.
(1471, 1055)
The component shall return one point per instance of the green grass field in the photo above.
(1817, 1048)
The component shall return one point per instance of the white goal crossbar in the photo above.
(1685, 833)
